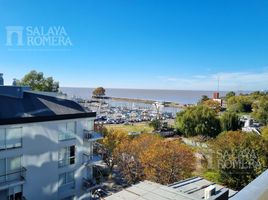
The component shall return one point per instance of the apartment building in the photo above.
(46, 147)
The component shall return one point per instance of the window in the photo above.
(2, 170)
(2, 139)
(71, 126)
(10, 138)
(13, 164)
(13, 137)
(10, 169)
(67, 130)
(66, 178)
(67, 156)
(90, 125)
(15, 193)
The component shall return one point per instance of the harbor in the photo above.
(127, 111)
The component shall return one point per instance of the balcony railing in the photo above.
(91, 135)
(90, 184)
(91, 159)
(67, 186)
(13, 176)
(66, 136)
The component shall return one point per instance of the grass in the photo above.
(213, 176)
(138, 127)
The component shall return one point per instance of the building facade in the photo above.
(46, 147)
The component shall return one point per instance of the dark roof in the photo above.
(33, 107)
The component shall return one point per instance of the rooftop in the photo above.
(20, 104)
(190, 189)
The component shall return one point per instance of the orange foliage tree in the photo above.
(152, 158)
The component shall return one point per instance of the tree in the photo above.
(229, 95)
(198, 120)
(264, 133)
(230, 121)
(128, 156)
(99, 92)
(203, 98)
(112, 139)
(213, 105)
(260, 111)
(156, 124)
(38, 82)
(240, 103)
(152, 158)
(168, 161)
(239, 158)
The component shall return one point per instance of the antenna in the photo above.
(218, 84)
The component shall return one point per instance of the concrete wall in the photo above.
(39, 152)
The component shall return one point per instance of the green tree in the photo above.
(239, 158)
(38, 82)
(156, 124)
(230, 121)
(230, 94)
(260, 112)
(203, 99)
(240, 104)
(264, 133)
(99, 92)
(198, 120)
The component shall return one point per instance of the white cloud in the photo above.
(228, 81)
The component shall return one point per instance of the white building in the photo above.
(46, 147)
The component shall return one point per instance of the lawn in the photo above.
(137, 127)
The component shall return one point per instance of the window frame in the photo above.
(69, 160)
(14, 146)
(65, 134)
(65, 175)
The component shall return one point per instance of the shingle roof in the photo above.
(34, 105)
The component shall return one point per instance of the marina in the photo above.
(119, 112)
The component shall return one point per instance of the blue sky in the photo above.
(158, 44)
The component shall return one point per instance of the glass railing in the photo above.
(16, 175)
(67, 186)
(11, 144)
(91, 158)
(66, 136)
(92, 135)
(66, 162)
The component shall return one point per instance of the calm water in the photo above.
(179, 96)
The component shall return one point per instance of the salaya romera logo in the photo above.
(37, 36)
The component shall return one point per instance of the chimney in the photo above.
(1, 79)
(216, 95)
(14, 82)
(210, 191)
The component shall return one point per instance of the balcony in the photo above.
(92, 135)
(90, 184)
(12, 178)
(67, 187)
(90, 159)
(66, 136)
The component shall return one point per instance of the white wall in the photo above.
(40, 148)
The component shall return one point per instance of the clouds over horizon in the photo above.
(228, 81)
